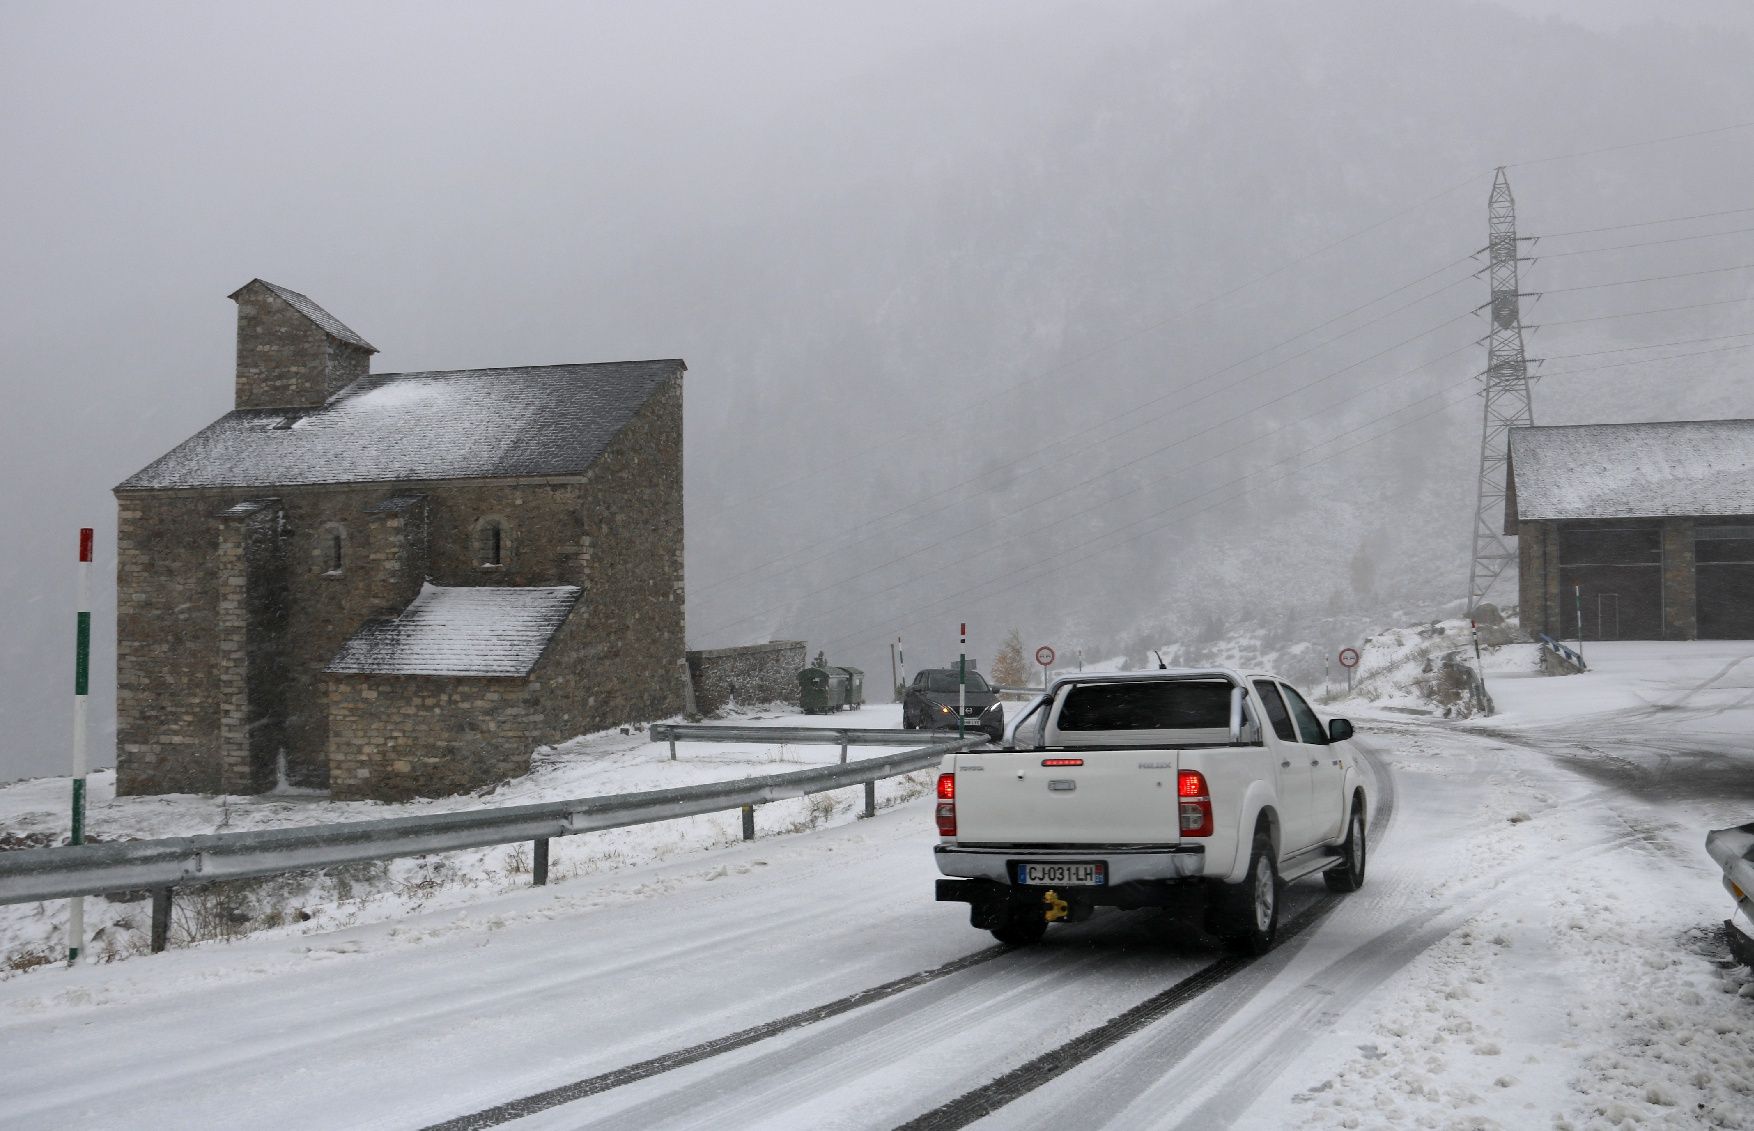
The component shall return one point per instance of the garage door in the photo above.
(1611, 581)
(1724, 565)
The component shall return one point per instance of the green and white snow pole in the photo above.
(81, 684)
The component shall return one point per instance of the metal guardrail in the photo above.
(160, 865)
(826, 736)
(1566, 655)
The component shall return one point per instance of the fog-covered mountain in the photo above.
(1117, 323)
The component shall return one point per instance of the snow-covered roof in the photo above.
(461, 631)
(325, 321)
(1654, 470)
(462, 424)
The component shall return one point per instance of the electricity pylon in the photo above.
(1509, 403)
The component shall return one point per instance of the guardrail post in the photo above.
(748, 822)
(843, 747)
(870, 799)
(539, 862)
(161, 919)
(672, 748)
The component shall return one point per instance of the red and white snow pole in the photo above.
(81, 684)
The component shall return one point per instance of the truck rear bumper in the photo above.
(1125, 864)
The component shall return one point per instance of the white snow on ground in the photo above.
(1588, 990)
(1534, 947)
(36, 812)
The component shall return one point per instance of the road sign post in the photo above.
(1045, 657)
(1348, 660)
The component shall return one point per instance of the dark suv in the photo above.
(930, 702)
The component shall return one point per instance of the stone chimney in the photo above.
(291, 352)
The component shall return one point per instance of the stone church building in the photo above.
(398, 584)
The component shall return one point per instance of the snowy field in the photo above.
(1534, 947)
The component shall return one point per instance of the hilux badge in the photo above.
(1157, 765)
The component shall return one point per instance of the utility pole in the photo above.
(1508, 400)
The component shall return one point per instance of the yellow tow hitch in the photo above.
(1057, 908)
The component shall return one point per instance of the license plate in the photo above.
(1086, 873)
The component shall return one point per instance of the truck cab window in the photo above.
(1270, 699)
(1311, 727)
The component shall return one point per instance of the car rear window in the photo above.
(1178, 705)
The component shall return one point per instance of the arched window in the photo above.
(331, 549)
(492, 543)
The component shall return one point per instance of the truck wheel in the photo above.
(1023, 927)
(1249, 916)
(1348, 875)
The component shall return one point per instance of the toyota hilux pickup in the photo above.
(1204, 788)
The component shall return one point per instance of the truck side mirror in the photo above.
(1339, 730)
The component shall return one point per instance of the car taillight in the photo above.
(1194, 803)
(946, 805)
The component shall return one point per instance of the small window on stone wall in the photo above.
(331, 549)
(492, 543)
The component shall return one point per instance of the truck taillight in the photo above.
(1194, 803)
(946, 805)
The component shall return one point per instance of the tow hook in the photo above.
(1057, 908)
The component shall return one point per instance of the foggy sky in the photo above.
(901, 246)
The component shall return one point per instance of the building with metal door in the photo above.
(1635, 531)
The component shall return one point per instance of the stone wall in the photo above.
(756, 673)
(630, 546)
(167, 645)
(396, 737)
(170, 565)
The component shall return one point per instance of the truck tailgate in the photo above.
(1091, 797)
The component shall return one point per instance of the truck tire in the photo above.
(1348, 875)
(1248, 913)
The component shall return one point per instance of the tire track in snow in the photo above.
(1094, 1040)
(628, 1074)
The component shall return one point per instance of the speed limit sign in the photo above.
(1044, 655)
(1348, 657)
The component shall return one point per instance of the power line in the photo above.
(1642, 224)
(1630, 145)
(1647, 279)
(947, 418)
(1641, 313)
(1650, 346)
(842, 580)
(985, 587)
(1648, 360)
(1642, 243)
(1127, 413)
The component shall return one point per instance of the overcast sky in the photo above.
(839, 214)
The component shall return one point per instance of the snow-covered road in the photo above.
(1530, 949)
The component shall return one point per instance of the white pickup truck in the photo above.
(1143, 789)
